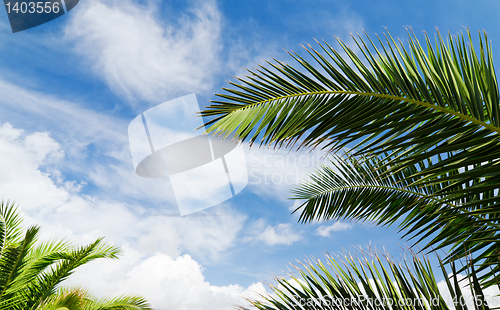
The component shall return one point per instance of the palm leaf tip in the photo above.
(366, 279)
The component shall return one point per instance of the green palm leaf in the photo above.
(12, 263)
(80, 299)
(65, 264)
(362, 191)
(424, 117)
(120, 303)
(65, 299)
(409, 103)
(10, 222)
(368, 280)
(31, 271)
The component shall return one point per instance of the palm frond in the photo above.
(66, 299)
(362, 191)
(10, 224)
(66, 264)
(81, 299)
(412, 104)
(13, 262)
(124, 302)
(368, 280)
(31, 271)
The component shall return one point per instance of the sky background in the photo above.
(69, 89)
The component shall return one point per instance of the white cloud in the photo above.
(492, 294)
(281, 234)
(170, 283)
(153, 241)
(76, 128)
(142, 57)
(50, 198)
(23, 181)
(326, 230)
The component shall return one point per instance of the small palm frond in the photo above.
(66, 264)
(80, 299)
(123, 302)
(368, 280)
(362, 191)
(66, 299)
(10, 224)
(31, 272)
(13, 262)
(40, 257)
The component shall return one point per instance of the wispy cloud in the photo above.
(142, 57)
(327, 230)
(281, 234)
(78, 129)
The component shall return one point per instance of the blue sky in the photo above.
(69, 89)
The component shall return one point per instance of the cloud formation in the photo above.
(77, 129)
(281, 234)
(326, 230)
(170, 283)
(142, 57)
(152, 264)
